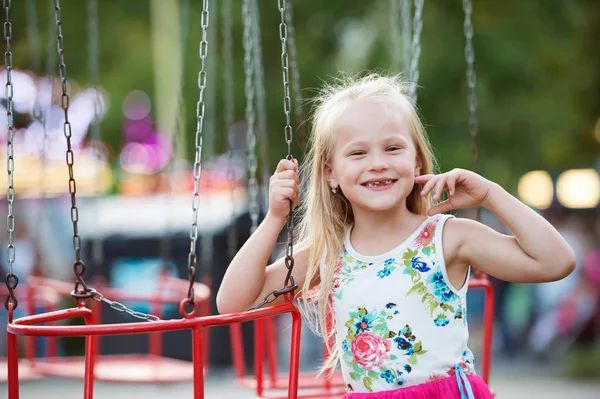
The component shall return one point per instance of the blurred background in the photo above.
(133, 75)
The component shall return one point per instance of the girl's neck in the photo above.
(397, 222)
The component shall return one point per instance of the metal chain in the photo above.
(416, 50)
(229, 105)
(299, 113)
(119, 307)
(472, 99)
(406, 33)
(197, 172)
(227, 54)
(289, 283)
(261, 106)
(78, 267)
(32, 36)
(395, 35)
(250, 91)
(11, 280)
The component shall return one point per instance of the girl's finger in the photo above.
(439, 188)
(423, 178)
(442, 207)
(428, 186)
(451, 183)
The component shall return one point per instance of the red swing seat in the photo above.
(481, 281)
(29, 326)
(151, 367)
(47, 300)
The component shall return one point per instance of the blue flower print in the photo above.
(383, 272)
(363, 324)
(441, 320)
(441, 289)
(407, 368)
(389, 262)
(390, 305)
(388, 376)
(419, 265)
(345, 345)
(404, 345)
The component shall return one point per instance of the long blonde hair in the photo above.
(326, 217)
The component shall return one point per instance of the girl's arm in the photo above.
(536, 252)
(248, 279)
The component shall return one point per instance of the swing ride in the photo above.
(192, 298)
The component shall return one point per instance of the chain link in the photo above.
(289, 285)
(395, 35)
(416, 50)
(406, 34)
(11, 280)
(472, 98)
(119, 307)
(78, 266)
(229, 105)
(298, 111)
(197, 172)
(261, 105)
(250, 90)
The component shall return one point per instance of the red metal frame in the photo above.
(28, 326)
(488, 323)
(47, 300)
(265, 348)
(152, 367)
(264, 338)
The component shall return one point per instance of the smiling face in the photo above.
(374, 159)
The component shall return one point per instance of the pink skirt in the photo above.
(446, 388)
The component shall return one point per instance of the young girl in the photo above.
(391, 268)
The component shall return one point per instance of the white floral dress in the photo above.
(398, 319)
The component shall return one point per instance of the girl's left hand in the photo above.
(465, 189)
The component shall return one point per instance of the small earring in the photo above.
(334, 190)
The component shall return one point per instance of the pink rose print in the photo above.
(426, 236)
(370, 350)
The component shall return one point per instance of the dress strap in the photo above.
(462, 380)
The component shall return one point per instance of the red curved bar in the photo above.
(27, 326)
(151, 367)
(488, 324)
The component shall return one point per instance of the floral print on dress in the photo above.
(441, 303)
(368, 343)
(345, 271)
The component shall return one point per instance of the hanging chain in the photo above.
(203, 52)
(289, 284)
(78, 267)
(416, 50)
(395, 35)
(229, 105)
(119, 307)
(406, 34)
(11, 280)
(250, 90)
(472, 100)
(299, 113)
(261, 106)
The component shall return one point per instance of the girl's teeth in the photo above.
(376, 184)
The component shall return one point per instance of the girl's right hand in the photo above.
(284, 187)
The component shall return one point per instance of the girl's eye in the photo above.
(357, 153)
(394, 148)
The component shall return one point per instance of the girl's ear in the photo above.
(418, 166)
(330, 177)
